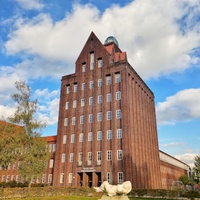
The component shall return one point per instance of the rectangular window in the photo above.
(51, 163)
(119, 133)
(64, 139)
(99, 116)
(82, 119)
(119, 154)
(63, 158)
(43, 178)
(71, 158)
(99, 155)
(100, 99)
(74, 104)
(109, 97)
(117, 78)
(100, 82)
(54, 147)
(109, 115)
(90, 100)
(90, 118)
(83, 86)
(50, 178)
(80, 156)
(75, 87)
(82, 102)
(70, 177)
(68, 89)
(66, 122)
(118, 95)
(91, 84)
(108, 80)
(100, 62)
(67, 105)
(120, 177)
(81, 137)
(109, 134)
(90, 136)
(118, 114)
(73, 120)
(92, 60)
(109, 155)
(62, 178)
(89, 156)
(99, 135)
(83, 67)
(109, 178)
(72, 138)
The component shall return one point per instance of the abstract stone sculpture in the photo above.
(111, 190)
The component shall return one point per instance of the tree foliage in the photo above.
(184, 179)
(197, 167)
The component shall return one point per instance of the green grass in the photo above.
(59, 198)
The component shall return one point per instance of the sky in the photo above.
(40, 41)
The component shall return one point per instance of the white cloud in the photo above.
(174, 144)
(30, 4)
(6, 111)
(183, 106)
(187, 158)
(147, 30)
(45, 93)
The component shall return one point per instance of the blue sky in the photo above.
(40, 41)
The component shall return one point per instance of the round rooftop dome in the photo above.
(111, 39)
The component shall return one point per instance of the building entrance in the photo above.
(89, 179)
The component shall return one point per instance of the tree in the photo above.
(184, 179)
(197, 168)
(34, 154)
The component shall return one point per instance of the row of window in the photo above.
(90, 118)
(90, 136)
(109, 177)
(91, 83)
(91, 100)
(89, 157)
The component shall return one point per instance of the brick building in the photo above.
(107, 123)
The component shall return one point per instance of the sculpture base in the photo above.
(105, 197)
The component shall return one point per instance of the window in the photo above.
(73, 120)
(51, 163)
(81, 137)
(83, 67)
(120, 177)
(66, 122)
(72, 138)
(63, 158)
(90, 136)
(75, 87)
(50, 178)
(54, 147)
(109, 155)
(89, 156)
(71, 158)
(119, 133)
(90, 118)
(118, 114)
(118, 78)
(70, 177)
(119, 154)
(91, 84)
(109, 97)
(99, 116)
(100, 82)
(80, 156)
(90, 100)
(99, 99)
(43, 178)
(109, 178)
(109, 115)
(82, 102)
(3, 179)
(99, 155)
(83, 86)
(68, 89)
(92, 60)
(62, 178)
(99, 135)
(67, 105)
(108, 80)
(118, 95)
(82, 119)
(109, 134)
(74, 103)
(100, 62)
(64, 139)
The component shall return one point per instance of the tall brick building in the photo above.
(107, 123)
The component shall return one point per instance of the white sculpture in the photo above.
(120, 189)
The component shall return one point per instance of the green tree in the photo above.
(197, 168)
(184, 179)
(35, 154)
